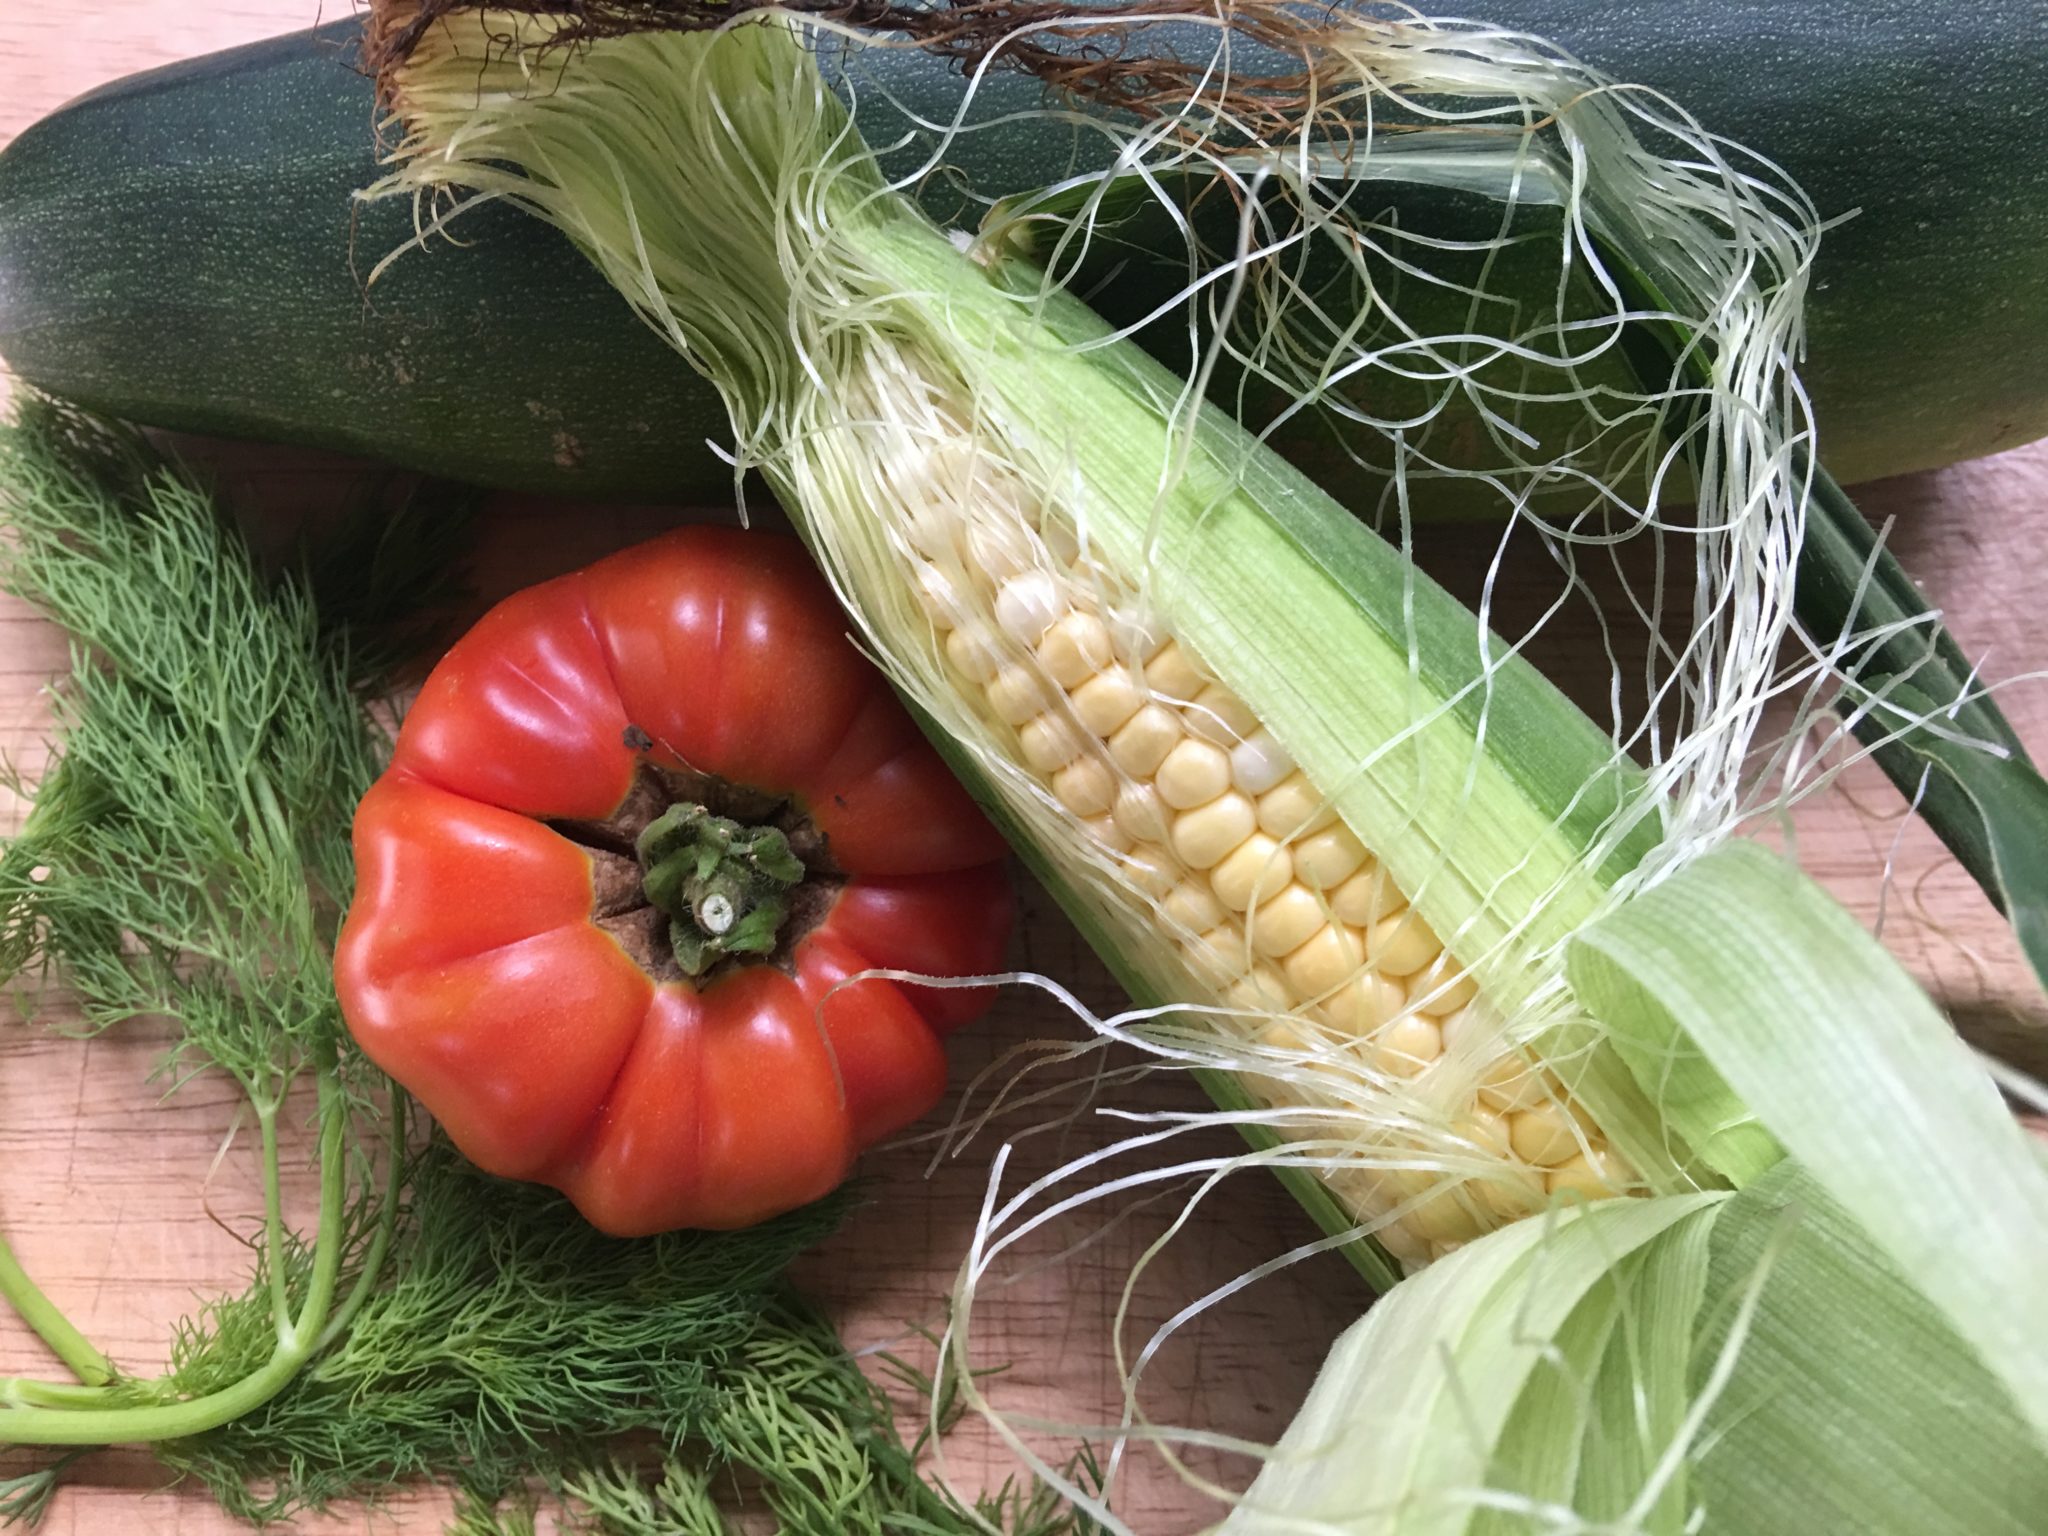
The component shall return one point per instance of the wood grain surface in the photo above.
(127, 1207)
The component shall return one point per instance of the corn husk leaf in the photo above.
(1420, 1402)
(1854, 1405)
(1592, 1429)
(2009, 803)
(1628, 1466)
(1756, 1359)
(1816, 1031)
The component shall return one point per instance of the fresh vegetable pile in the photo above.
(1687, 1208)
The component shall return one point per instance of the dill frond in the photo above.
(25, 1500)
(514, 1342)
(186, 859)
(188, 852)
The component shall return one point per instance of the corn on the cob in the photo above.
(1282, 916)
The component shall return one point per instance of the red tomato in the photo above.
(641, 824)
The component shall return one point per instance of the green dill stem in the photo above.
(387, 1226)
(295, 1345)
(334, 1118)
(273, 1217)
(26, 1393)
(50, 1325)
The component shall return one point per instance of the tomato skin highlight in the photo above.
(521, 712)
(501, 961)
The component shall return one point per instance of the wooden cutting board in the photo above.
(128, 1207)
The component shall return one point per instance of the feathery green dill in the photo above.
(187, 858)
(24, 1500)
(514, 1341)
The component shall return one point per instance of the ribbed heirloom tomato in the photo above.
(640, 825)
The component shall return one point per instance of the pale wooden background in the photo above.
(108, 1196)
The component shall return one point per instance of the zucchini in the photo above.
(180, 248)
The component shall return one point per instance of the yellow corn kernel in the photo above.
(1140, 814)
(1324, 962)
(1446, 1219)
(1364, 1005)
(1328, 858)
(1257, 869)
(1172, 674)
(1285, 923)
(1018, 694)
(1074, 649)
(1401, 945)
(1192, 774)
(1141, 743)
(1193, 906)
(1510, 1084)
(1293, 808)
(1152, 870)
(1202, 837)
(1367, 897)
(972, 649)
(1086, 786)
(1487, 1128)
(1050, 742)
(1407, 1045)
(1220, 716)
(1217, 956)
(1441, 989)
(1545, 1135)
(1105, 701)
(1594, 1174)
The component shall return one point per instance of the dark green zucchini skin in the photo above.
(182, 247)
